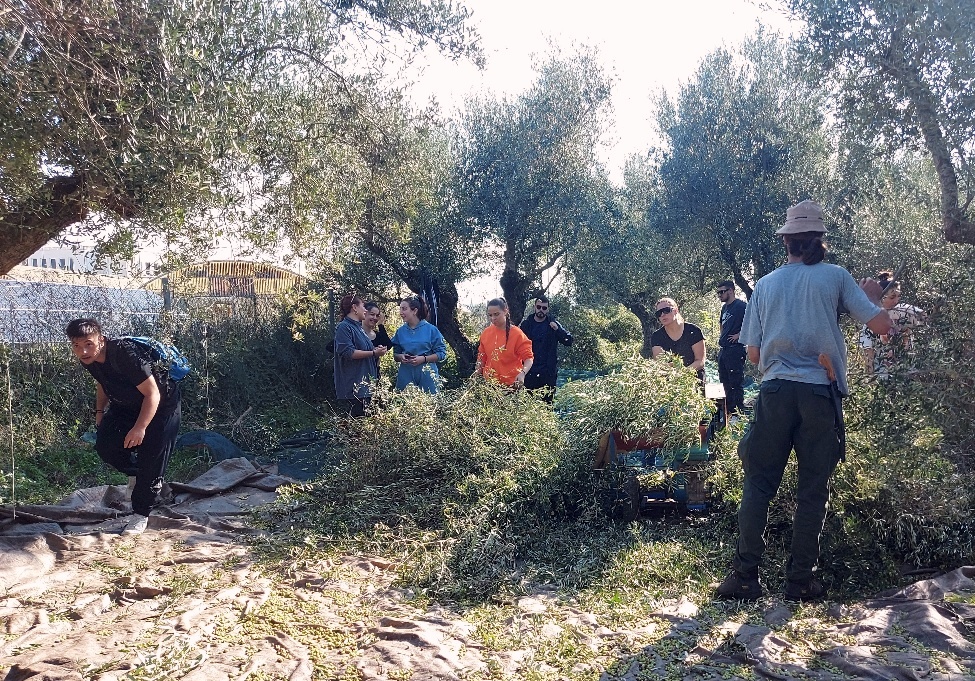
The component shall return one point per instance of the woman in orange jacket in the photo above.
(504, 353)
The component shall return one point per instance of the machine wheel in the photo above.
(620, 497)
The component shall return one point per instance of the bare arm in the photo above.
(378, 351)
(479, 364)
(101, 403)
(150, 403)
(881, 323)
(868, 356)
(754, 354)
(655, 351)
(698, 362)
(520, 378)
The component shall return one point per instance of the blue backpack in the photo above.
(167, 355)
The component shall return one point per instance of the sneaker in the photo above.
(137, 525)
(813, 590)
(737, 586)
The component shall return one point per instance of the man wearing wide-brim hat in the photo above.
(791, 320)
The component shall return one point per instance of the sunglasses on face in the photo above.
(541, 307)
(722, 291)
(663, 311)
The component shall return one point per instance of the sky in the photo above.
(647, 45)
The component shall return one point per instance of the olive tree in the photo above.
(158, 114)
(743, 140)
(905, 71)
(529, 174)
(405, 228)
(630, 259)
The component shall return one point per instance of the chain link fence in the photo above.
(252, 380)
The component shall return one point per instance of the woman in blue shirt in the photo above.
(417, 345)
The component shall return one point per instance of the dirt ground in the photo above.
(186, 600)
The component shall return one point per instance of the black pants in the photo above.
(731, 373)
(355, 407)
(788, 416)
(148, 461)
(543, 383)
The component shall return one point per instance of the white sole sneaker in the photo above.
(137, 525)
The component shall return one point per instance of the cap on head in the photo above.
(805, 216)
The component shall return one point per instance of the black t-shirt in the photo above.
(683, 346)
(126, 366)
(732, 315)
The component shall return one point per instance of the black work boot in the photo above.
(813, 590)
(738, 586)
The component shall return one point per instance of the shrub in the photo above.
(602, 338)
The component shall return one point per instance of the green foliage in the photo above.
(904, 71)
(251, 380)
(69, 464)
(602, 336)
(642, 399)
(469, 470)
(628, 259)
(166, 111)
(744, 141)
(529, 176)
(890, 218)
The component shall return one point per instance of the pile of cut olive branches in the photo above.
(643, 399)
(455, 485)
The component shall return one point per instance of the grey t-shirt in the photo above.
(792, 318)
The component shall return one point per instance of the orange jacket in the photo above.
(502, 361)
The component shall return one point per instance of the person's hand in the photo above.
(134, 438)
(873, 289)
(417, 360)
(519, 380)
(380, 350)
(733, 337)
(554, 325)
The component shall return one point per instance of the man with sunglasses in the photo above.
(545, 334)
(731, 355)
(791, 332)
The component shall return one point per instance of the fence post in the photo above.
(167, 295)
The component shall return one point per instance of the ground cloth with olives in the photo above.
(186, 600)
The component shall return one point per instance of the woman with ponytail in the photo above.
(417, 345)
(504, 353)
(356, 360)
(678, 337)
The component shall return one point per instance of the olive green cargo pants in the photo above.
(788, 416)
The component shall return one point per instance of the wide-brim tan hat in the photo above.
(805, 216)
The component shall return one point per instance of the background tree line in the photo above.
(275, 122)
